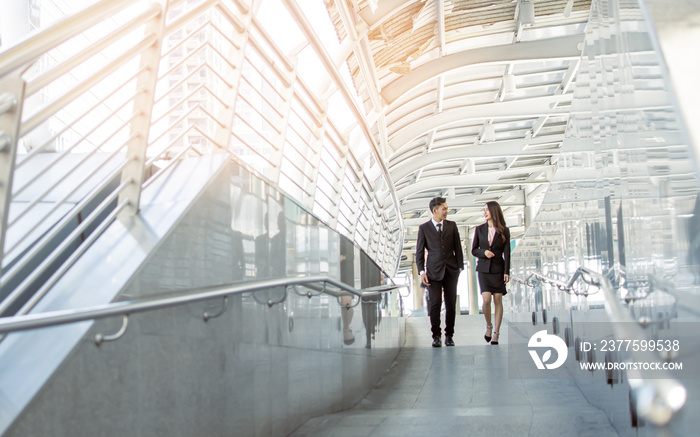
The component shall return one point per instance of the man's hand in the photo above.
(424, 279)
(489, 254)
(506, 278)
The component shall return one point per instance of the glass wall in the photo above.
(260, 363)
(624, 202)
(625, 192)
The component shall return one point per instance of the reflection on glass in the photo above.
(624, 196)
(623, 201)
(371, 305)
(347, 276)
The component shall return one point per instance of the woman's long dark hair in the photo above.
(499, 222)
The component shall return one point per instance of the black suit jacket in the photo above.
(442, 253)
(500, 263)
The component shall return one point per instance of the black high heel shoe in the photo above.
(495, 342)
(488, 337)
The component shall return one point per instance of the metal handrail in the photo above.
(366, 292)
(568, 286)
(380, 289)
(591, 277)
(667, 395)
(54, 318)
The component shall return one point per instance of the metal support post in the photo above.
(235, 54)
(12, 89)
(285, 109)
(471, 270)
(134, 170)
(316, 146)
(340, 176)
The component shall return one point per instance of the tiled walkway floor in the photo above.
(462, 391)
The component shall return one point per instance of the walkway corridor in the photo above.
(463, 391)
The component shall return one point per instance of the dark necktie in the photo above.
(439, 228)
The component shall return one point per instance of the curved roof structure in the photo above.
(469, 99)
(364, 110)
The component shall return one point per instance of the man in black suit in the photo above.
(440, 237)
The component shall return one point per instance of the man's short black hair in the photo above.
(436, 202)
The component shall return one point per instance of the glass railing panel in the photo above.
(624, 201)
(625, 190)
(267, 360)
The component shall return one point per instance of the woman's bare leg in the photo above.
(487, 312)
(498, 313)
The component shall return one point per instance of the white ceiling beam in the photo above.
(441, 25)
(533, 108)
(507, 84)
(461, 220)
(429, 142)
(417, 175)
(400, 168)
(440, 94)
(386, 9)
(546, 49)
(479, 179)
(346, 17)
(566, 47)
(634, 141)
(537, 126)
(524, 17)
(642, 171)
(529, 197)
(411, 231)
(515, 197)
(467, 167)
(569, 77)
(368, 70)
(456, 149)
(362, 52)
(381, 127)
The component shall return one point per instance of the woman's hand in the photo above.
(489, 254)
(506, 278)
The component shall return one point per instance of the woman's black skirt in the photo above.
(492, 282)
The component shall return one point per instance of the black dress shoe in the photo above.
(449, 341)
(437, 342)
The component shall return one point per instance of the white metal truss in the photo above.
(139, 86)
(457, 98)
(476, 98)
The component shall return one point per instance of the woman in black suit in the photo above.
(491, 247)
